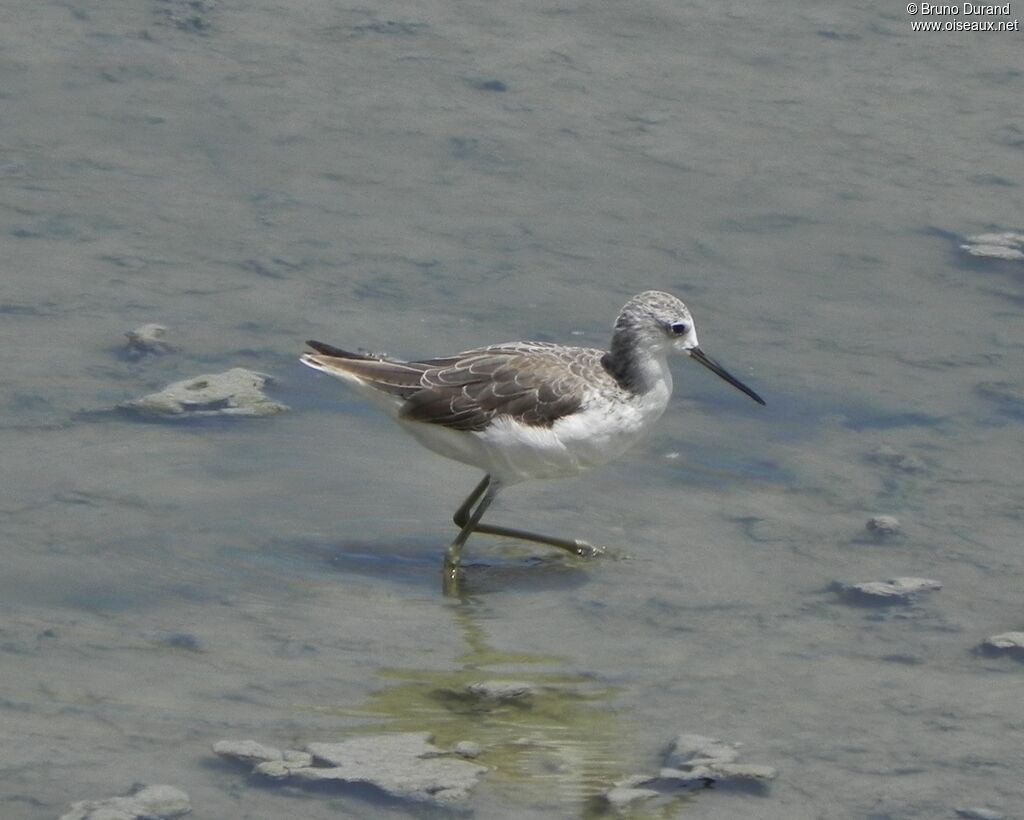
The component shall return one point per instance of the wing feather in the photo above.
(390, 376)
(535, 383)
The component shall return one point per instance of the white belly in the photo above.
(512, 452)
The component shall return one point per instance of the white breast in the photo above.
(606, 425)
(602, 431)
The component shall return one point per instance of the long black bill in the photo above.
(699, 355)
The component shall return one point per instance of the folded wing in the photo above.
(533, 383)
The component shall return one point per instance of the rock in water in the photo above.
(147, 339)
(1007, 246)
(708, 759)
(144, 803)
(692, 762)
(405, 765)
(236, 392)
(883, 526)
(501, 689)
(893, 591)
(1010, 643)
(247, 751)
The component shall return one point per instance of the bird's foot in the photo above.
(588, 550)
(451, 577)
(452, 572)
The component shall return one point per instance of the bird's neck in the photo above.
(636, 368)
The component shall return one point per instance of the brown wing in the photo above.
(535, 383)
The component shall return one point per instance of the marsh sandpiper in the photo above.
(525, 410)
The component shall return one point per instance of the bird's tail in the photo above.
(331, 350)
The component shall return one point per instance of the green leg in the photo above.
(468, 523)
(462, 518)
(462, 513)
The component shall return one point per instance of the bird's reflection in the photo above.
(548, 735)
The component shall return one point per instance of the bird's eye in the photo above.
(679, 328)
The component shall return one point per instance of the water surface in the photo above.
(426, 177)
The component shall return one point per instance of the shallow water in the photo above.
(252, 175)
